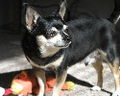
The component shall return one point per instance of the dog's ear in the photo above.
(62, 9)
(31, 17)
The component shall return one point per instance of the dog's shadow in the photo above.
(83, 83)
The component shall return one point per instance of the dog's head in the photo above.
(50, 30)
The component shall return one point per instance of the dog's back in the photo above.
(87, 35)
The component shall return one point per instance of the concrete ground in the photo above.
(13, 60)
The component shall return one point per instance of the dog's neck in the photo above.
(47, 51)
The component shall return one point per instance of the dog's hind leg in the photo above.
(116, 73)
(99, 69)
(60, 79)
(40, 74)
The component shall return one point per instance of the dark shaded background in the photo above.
(11, 11)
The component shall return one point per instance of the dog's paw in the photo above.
(96, 88)
(55, 95)
(116, 93)
(41, 95)
(58, 94)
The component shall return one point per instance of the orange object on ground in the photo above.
(25, 84)
(22, 84)
(51, 82)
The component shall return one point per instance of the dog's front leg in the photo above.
(40, 74)
(60, 79)
(116, 73)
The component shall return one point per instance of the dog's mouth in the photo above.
(64, 46)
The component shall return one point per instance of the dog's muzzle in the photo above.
(64, 46)
(67, 40)
(68, 44)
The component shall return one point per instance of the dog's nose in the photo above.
(86, 63)
(66, 37)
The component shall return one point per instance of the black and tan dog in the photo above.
(52, 44)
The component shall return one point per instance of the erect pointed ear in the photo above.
(62, 9)
(31, 17)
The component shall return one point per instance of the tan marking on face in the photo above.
(54, 29)
(65, 27)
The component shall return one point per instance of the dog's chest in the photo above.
(55, 64)
(50, 66)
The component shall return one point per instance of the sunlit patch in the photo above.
(65, 27)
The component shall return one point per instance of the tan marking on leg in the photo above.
(40, 74)
(99, 69)
(59, 83)
(116, 72)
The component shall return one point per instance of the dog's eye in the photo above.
(66, 30)
(52, 34)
